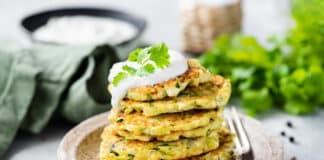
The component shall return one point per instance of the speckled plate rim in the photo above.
(265, 145)
(68, 147)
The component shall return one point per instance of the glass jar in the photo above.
(203, 20)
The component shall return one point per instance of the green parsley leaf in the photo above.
(149, 59)
(143, 56)
(120, 76)
(296, 106)
(146, 70)
(133, 55)
(255, 101)
(130, 70)
(159, 54)
(149, 68)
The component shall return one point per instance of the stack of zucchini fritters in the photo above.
(178, 119)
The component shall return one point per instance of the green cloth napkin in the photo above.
(43, 79)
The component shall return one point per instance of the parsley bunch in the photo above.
(289, 75)
(149, 59)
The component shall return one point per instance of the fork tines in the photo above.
(242, 144)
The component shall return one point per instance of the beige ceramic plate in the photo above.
(82, 142)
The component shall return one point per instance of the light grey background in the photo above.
(262, 18)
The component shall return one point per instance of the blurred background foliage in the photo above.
(288, 74)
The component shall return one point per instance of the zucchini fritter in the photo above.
(209, 95)
(163, 124)
(115, 147)
(173, 136)
(195, 75)
(225, 151)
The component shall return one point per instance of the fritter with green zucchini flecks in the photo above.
(173, 136)
(163, 124)
(208, 95)
(225, 151)
(115, 147)
(195, 75)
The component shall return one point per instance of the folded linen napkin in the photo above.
(43, 79)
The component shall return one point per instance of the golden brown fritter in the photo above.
(115, 147)
(163, 124)
(209, 95)
(224, 152)
(195, 75)
(173, 136)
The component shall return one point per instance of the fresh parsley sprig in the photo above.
(150, 58)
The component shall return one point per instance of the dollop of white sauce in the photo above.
(178, 65)
(83, 30)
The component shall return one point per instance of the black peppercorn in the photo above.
(283, 133)
(289, 124)
(292, 139)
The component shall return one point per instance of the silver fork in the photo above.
(242, 144)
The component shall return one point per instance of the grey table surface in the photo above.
(262, 18)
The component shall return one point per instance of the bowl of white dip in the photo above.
(85, 26)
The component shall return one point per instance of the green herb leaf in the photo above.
(131, 156)
(159, 54)
(133, 55)
(149, 68)
(143, 56)
(146, 70)
(256, 101)
(149, 59)
(298, 107)
(112, 147)
(129, 70)
(119, 120)
(120, 76)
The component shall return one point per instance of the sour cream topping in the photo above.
(178, 65)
